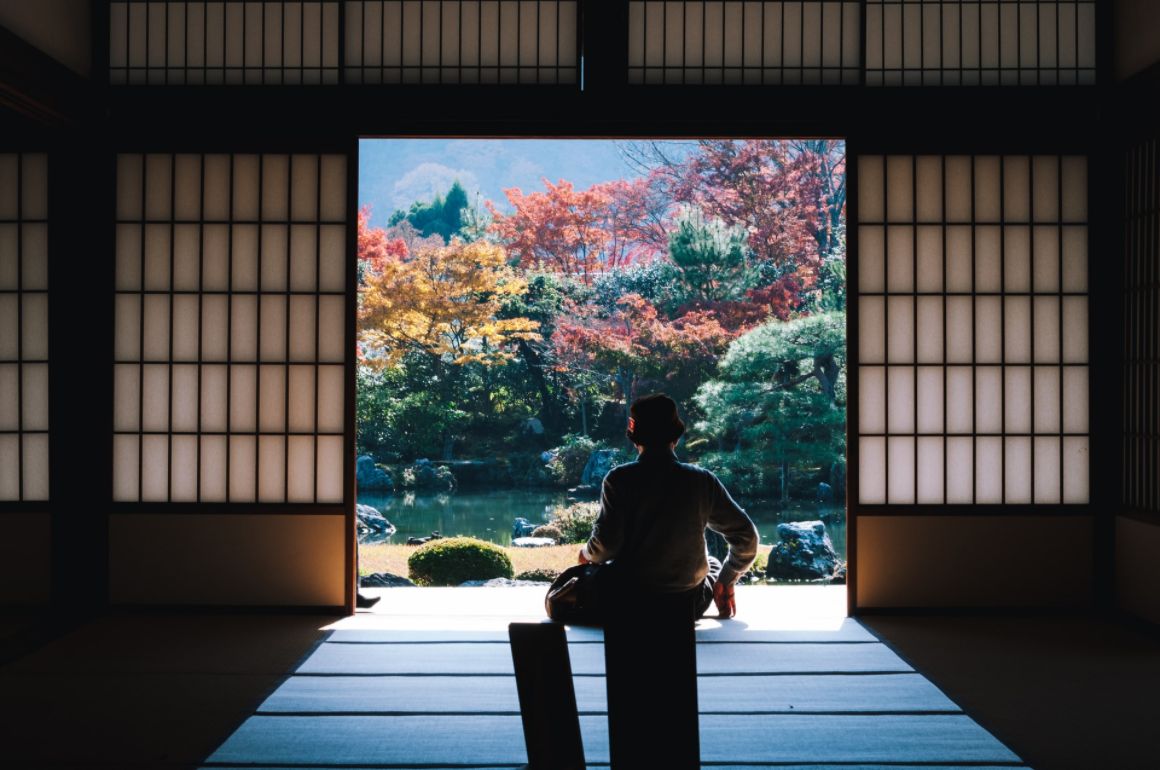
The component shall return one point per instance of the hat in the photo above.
(654, 420)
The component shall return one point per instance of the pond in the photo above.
(489, 514)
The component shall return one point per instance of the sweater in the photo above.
(681, 499)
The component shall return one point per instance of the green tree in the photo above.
(712, 257)
(443, 216)
(778, 404)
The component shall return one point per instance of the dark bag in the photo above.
(574, 597)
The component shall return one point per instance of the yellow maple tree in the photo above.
(444, 301)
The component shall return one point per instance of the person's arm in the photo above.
(608, 532)
(734, 524)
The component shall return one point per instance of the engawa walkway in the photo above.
(426, 680)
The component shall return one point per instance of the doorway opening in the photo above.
(515, 295)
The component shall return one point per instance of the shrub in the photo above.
(450, 561)
(541, 575)
(549, 530)
(425, 476)
(568, 460)
(575, 521)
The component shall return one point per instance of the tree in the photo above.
(712, 257)
(582, 232)
(442, 216)
(375, 246)
(633, 342)
(446, 302)
(779, 398)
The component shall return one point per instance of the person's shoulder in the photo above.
(693, 469)
(624, 469)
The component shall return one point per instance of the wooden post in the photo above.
(650, 656)
(547, 696)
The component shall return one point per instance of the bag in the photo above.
(573, 597)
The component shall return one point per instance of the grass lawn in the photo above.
(384, 557)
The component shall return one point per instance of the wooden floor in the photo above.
(426, 680)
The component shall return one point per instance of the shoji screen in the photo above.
(231, 343)
(980, 42)
(972, 347)
(232, 42)
(1138, 532)
(715, 41)
(451, 41)
(24, 284)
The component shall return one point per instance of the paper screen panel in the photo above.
(973, 330)
(218, 377)
(24, 307)
(231, 43)
(808, 42)
(447, 41)
(980, 42)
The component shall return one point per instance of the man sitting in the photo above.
(653, 514)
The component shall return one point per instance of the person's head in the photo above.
(654, 422)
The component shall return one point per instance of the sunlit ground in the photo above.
(489, 610)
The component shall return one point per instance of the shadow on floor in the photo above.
(146, 690)
(1065, 693)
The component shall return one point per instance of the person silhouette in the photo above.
(654, 511)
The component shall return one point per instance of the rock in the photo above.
(371, 477)
(600, 462)
(583, 492)
(804, 552)
(534, 426)
(384, 580)
(421, 540)
(716, 544)
(532, 542)
(522, 528)
(373, 521)
(547, 456)
(825, 493)
(424, 475)
(502, 583)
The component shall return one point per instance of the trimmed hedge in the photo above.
(452, 560)
(539, 575)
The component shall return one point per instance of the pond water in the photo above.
(489, 514)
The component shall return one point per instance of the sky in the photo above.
(393, 173)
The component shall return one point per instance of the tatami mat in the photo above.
(426, 680)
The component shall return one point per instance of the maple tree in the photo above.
(582, 232)
(444, 301)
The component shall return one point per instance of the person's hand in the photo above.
(724, 599)
(582, 558)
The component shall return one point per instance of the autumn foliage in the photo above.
(560, 301)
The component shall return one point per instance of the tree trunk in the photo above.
(448, 444)
(549, 415)
(584, 416)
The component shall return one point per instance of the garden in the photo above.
(507, 320)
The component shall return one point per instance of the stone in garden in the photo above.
(600, 462)
(384, 580)
(534, 426)
(371, 477)
(804, 552)
(421, 540)
(532, 542)
(522, 528)
(371, 519)
(825, 493)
